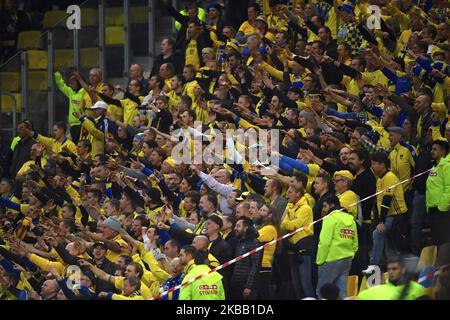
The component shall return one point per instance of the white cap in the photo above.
(100, 105)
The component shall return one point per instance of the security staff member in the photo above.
(207, 288)
(438, 192)
(338, 243)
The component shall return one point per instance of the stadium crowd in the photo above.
(107, 208)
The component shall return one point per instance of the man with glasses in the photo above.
(348, 199)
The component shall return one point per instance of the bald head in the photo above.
(200, 242)
(49, 289)
(136, 72)
(222, 175)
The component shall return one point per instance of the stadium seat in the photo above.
(89, 17)
(427, 257)
(429, 292)
(64, 57)
(54, 18)
(37, 59)
(62, 38)
(7, 102)
(89, 37)
(114, 16)
(352, 286)
(114, 36)
(443, 257)
(139, 15)
(37, 81)
(29, 40)
(363, 285)
(10, 81)
(385, 277)
(89, 57)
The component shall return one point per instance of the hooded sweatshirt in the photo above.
(338, 238)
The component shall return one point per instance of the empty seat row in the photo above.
(10, 81)
(63, 38)
(89, 17)
(7, 102)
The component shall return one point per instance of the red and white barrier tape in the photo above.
(245, 255)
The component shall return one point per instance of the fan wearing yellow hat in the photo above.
(343, 182)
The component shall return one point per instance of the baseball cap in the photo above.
(344, 173)
(99, 243)
(295, 89)
(216, 219)
(398, 130)
(100, 105)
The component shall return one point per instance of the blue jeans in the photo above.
(335, 272)
(417, 220)
(379, 240)
(301, 274)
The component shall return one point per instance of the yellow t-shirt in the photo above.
(246, 28)
(266, 234)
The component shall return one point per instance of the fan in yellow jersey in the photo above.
(59, 141)
(132, 270)
(266, 221)
(390, 207)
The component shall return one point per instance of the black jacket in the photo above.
(317, 213)
(364, 185)
(109, 268)
(20, 155)
(181, 42)
(233, 242)
(246, 270)
(423, 163)
(221, 250)
(163, 121)
(176, 59)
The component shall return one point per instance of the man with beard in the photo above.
(139, 223)
(245, 273)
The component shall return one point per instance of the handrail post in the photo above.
(151, 32)
(51, 84)
(24, 83)
(101, 38)
(126, 46)
(76, 49)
